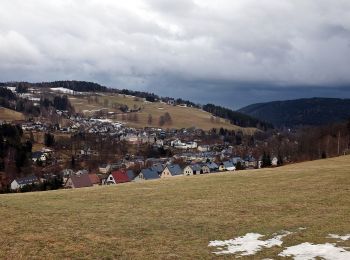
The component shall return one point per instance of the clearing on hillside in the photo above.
(9, 115)
(177, 218)
(182, 117)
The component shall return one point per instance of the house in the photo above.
(222, 167)
(274, 161)
(147, 174)
(171, 102)
(95, 180)
(192, 169)
(158, 168)
(81, 172)
(104, 168)
(229, 166)
(78, 181)
(116, 177)
(213, 167)
(203, 148)
(236, 160)
(204, 169)
(250, 162)
(66, 173)
(21, 182)
(38, 156)
(131, 175)
(171, 170)
(191, 145)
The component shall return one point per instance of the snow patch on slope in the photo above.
(308, 251)
(247, 245)
(344, 238)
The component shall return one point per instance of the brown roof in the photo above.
(80, 181)
(94, 178)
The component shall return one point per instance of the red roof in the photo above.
(120, 176)
(94, 178)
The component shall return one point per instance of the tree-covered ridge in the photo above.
(235, 117)
(301, 112)
(79, 86)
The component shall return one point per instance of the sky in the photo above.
(228, 52)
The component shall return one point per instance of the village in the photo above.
(94, 148)
(194, 160)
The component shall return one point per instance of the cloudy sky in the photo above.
(230, 52)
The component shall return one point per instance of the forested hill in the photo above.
(237, 118)
(301, 112)
(79, 86)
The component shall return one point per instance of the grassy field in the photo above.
(182, 117)
(176, 218)
(9, 115)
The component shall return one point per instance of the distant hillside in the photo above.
(236, 118)
(232, 117)
(301, 112)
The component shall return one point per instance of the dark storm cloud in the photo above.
(198, 49)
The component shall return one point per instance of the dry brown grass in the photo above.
(182, 117)
(176, 218)
(9, 115)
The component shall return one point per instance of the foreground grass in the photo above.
(176, 218)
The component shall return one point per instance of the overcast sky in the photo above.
(230, 52)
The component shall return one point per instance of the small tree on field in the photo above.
(150, 119)
(49, 139)
(161, 121)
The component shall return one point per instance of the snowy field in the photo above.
(252, 243)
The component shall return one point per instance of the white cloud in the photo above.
(135, 42)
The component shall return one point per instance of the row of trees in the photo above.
(12, 150)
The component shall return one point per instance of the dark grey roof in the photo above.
(131, 174)
(158, 168)
(27, 180)
(149, 174)
(212, 165)
(195, 167)
(235, 160)
(228, 164)
(37, 154)
(175, 169)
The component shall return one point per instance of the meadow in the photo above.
(182, 117)
(9, 115)
(176, 218)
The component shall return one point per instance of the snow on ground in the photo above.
(102, 120)
(247, 245)
(344, 238)
(308, 251)
(64, 90)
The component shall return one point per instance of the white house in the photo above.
(39, 156)
(274, 161)
(104, 169)
(203, 148)
(21, 182)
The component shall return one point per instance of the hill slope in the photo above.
(231, 119)
(291, 113)
(182, 117)
(9, 115)
(176, 218)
